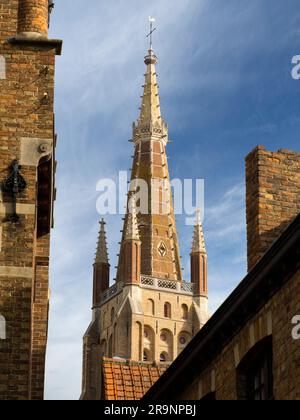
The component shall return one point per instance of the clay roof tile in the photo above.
(128, 380)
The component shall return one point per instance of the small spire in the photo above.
(198, 239)
(150, 109)
(102, 251)
(132, 230)
(150, 122)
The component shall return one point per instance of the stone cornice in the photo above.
(32, 41)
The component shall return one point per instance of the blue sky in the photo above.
(225, 85)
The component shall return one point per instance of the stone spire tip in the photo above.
(198, 239)
(102, 251)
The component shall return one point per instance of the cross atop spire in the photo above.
(198, 239)
(102, 251)
(151, 21)
(132, 230)
(150, 122)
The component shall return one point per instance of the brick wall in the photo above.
(9, 18)
(273, 197)
(26, 123)
(273, 319)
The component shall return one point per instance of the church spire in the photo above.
(154, 226)
(198, 239)
(102, 252)
(149, 294)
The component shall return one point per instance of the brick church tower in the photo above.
(27, 166)
(148, 316)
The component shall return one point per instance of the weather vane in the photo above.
(151, 21)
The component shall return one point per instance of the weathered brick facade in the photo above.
(273, 197)
(26, 136)
(273, 320)
(257, 318)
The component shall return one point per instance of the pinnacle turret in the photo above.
(102, 251)
(198, 239)
(132, 230)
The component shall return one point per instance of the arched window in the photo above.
(167, 310)
(146, 356)
(184, 311)
(139, 334)
(164, 357)
(166, 343)
(104, 319)
(112, 315)
(110, 347)
(149, 336)
(183, 340)
(115, 340)
(150, 307)
(255, 373)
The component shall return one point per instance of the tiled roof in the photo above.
(127, 380)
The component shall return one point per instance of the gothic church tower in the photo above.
(150, 313)
(27, 168)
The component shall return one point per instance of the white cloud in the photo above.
(226, 220)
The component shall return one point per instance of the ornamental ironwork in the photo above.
(14, 185)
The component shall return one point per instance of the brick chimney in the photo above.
(272, 197)
(33, 18)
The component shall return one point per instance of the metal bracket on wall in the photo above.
(14, 184)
